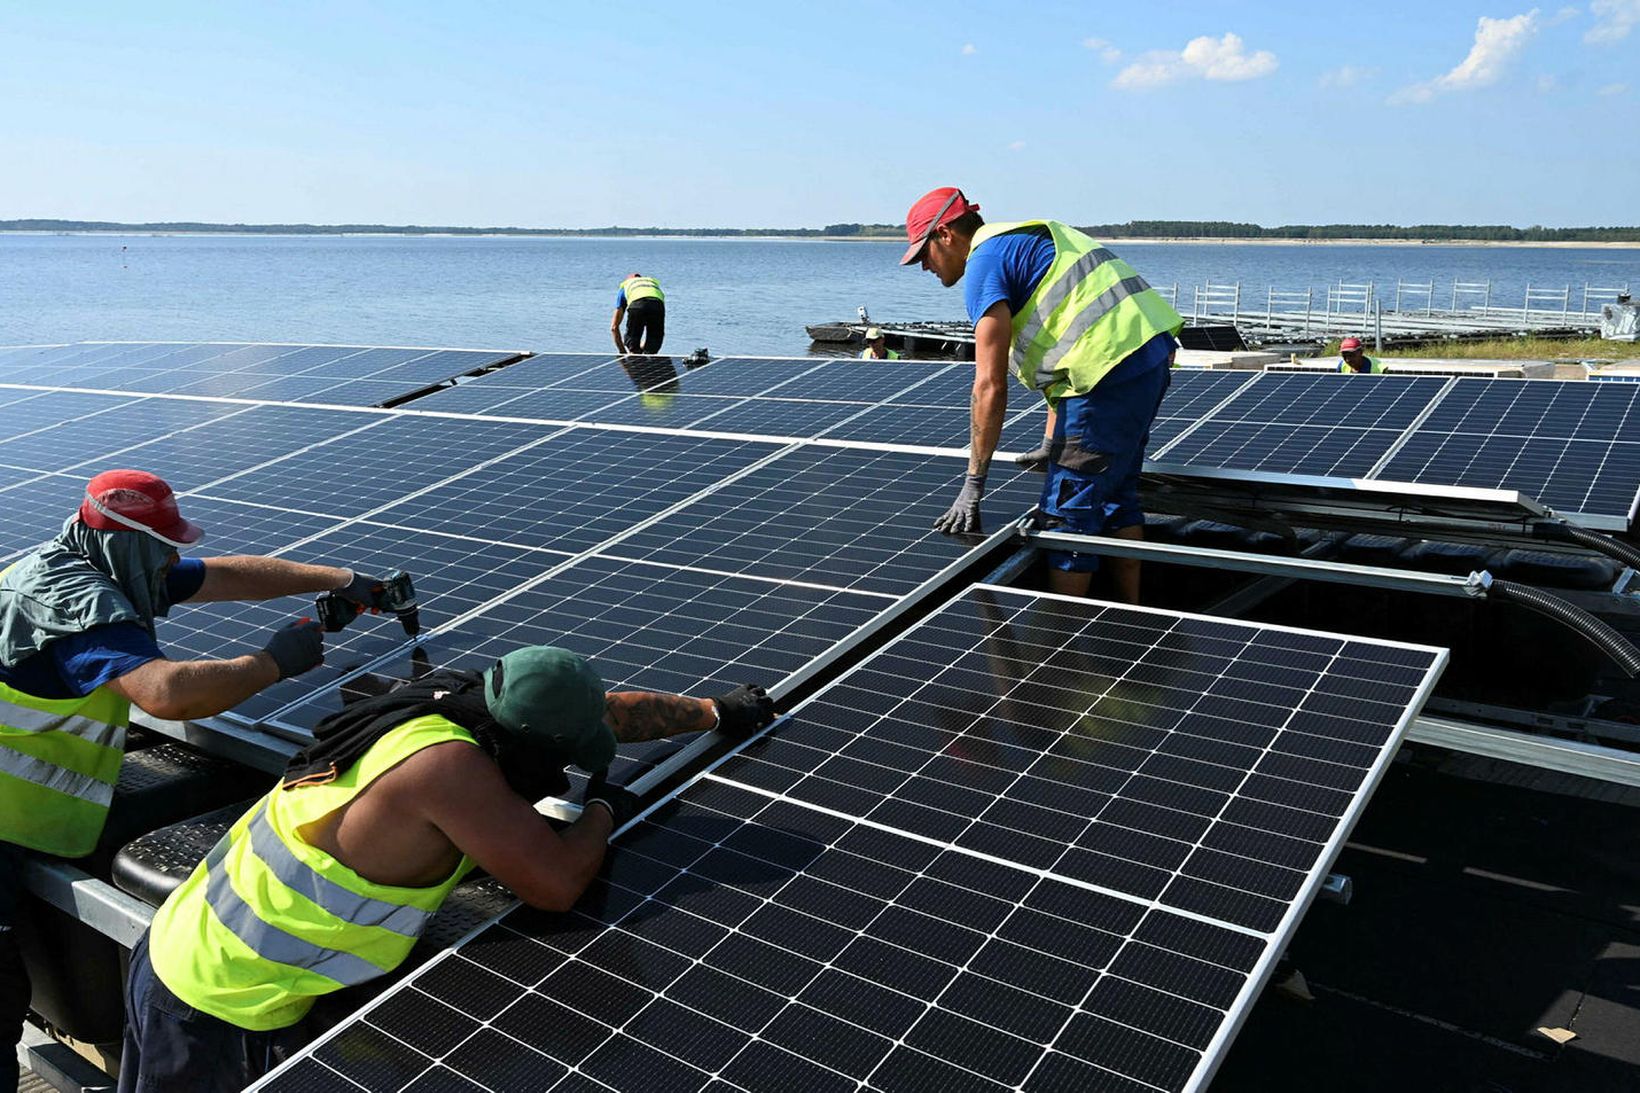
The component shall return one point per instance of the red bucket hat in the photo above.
(933, 210)
(126, 500)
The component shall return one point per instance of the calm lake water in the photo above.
(734, 296)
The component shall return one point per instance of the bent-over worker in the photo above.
(328, 881)
(877, 347)
(1353, 359)
(1078, 324)
(77, 650)
(643, 303)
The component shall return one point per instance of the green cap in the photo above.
(552, 699)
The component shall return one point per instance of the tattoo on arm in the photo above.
(635, 716)
(977, 463)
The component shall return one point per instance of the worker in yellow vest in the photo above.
(1073, 321)
(328, 881)
(877, 347)
(1353, 359)
(643, 303)
(77, 650)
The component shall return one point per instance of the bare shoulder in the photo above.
(452, 768)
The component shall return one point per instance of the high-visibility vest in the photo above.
(267, 922)
(865, 354)
(1375, 367)
(59, 761)
(1086, 315)
(641, 288)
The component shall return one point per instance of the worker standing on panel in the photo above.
(877, 347)
(328, 881)
(77, 649)
(1078, 324)
(643, 303)
(1353, 359)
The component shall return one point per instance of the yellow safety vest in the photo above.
(641, 288)
(1088, 313)
(267, 922)
(1375, 367)
(865, 354)
(59, 761)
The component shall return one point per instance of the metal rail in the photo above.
(1597, 761)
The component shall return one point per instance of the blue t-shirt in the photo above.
(1006, 267)
(74, 666)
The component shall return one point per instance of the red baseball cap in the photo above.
(934, 209)
(125, 500)
(1348, 344)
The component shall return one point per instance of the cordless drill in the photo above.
(397, 595)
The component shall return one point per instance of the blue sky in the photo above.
(759, 114)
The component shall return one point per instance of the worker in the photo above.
(77, 649)
(1353, 359)
(643, 303)
(1078, 324)
(328, 881)
(877, 347)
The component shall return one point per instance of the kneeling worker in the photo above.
(643, 303)
(328, 881)
(78, 650)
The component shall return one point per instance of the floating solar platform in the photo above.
(1035, 844)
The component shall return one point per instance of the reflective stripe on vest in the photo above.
(268, 922)
(1087, 314)
(642, 288)
(59, 763)
(270, 942)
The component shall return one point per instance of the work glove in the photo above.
(1037, 459)
(297, 647)
(622, 803)
(743, 711)
(364, 591)
(963, 515)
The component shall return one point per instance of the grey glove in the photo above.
(963, 515)
(364, 591)
(1038, 458)
(743, 711)
(622, 803)
(297, 647)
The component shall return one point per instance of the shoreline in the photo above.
(1120, 240)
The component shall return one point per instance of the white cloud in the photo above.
(1497, 43)
(1546, 84)
(1224, 59)
(1614, 19)
(1107, 52)
(1613, 89)
(969, 50)
(1561, 16)
(1016, 146)
(1347, 76)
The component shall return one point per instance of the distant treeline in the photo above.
(1133, 229)
(1227, 229)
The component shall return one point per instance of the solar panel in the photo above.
(360, 471)
(452, 576)
(747, 937)
(727, 376)
(935, 427)
(574, 491)
(51, 408)
(867, 381)
(646, 627)
(35, 510)
(118, 426)
(844, 517)
(778, 417)
(1573, 446)
(277, 372)
(540, 370)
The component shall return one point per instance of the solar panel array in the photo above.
(348, 375)
(1034, 843)
(523, 531)
(1572, 446)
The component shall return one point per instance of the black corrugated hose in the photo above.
(1607, 640)
(1603, 544)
